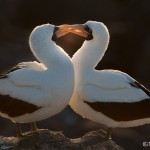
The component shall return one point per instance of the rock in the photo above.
(51, 140)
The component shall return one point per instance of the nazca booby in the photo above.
(33, 91)
(109, 97)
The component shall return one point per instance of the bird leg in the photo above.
(18, 130)
(108, 135)
(33, 127)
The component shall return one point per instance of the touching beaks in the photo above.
(59, 32)
(79, 29)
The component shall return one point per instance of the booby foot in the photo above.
(33, 127)
(33, 130)
(19, 132)
(22, 135)
(100, 133)
(103, 133)
(108, 136)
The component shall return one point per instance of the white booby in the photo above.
(108, 97)
(33, 91)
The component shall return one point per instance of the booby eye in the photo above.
(89, 30)
(56, 29)
(58, 32)
(90, 35)
(54, 36)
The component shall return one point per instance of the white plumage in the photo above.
(47, 86)
(98, 92)
(111, 86)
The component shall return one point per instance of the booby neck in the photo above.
(92, 51)
(45, 49)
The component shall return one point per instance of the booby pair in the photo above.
(108, 97)
(33, 91)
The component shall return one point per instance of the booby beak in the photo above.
(79, 29)
(59, 31)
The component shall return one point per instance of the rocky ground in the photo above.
(50, 140)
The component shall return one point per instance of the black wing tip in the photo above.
(3, 76)
(14, 68)
(137, 84)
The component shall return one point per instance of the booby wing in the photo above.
(19, 93)
(24, 74)
(111, 79)
(113, 86)
(30, 65)
(126, 100)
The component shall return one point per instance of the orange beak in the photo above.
(79, 29)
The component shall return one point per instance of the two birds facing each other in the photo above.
(33, 91)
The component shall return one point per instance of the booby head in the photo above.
(99, 30)
(47, 30)
(93, 49)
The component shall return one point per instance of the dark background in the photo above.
(128, 22)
